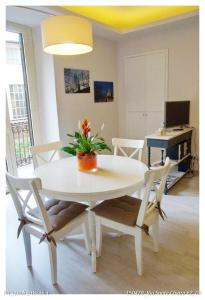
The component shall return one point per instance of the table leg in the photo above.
(149, 157)
(91, 219)
(166, 186)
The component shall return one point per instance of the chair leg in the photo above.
(138, 251)
(86, 237)
(53, 262)
(155, 233)
(27, 244)
(91, 219)
(98, 237)
(139, 193)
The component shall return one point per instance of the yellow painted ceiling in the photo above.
(123, 18)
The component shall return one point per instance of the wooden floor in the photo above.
(174, 268)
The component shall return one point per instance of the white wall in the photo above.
(181, 39)
(60, 112)
(48, 116)
(101, 63)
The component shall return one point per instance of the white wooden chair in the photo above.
(50, 222)
(133, 216)
(42, 149)
(119, 144)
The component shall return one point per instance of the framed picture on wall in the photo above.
(76, 81)
(103, 91)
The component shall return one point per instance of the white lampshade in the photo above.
(66, 35)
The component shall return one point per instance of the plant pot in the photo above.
(87, 161)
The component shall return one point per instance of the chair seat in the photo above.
(123, 210)
(60, 212)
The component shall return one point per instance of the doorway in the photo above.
(19, 121)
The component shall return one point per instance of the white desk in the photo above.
(116, 176)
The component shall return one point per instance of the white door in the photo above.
(19, 131)
(10, 146)
(140, 124)
(146, 81)
(135, 83)
(155, 81)
(145, 93)
(154, 121)
(136, 125)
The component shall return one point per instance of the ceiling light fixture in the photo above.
(66, 35)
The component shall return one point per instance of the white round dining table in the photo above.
(115, 176)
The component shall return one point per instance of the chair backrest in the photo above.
(33, 186)
(155, 178)
(40, 149)
(119, 144)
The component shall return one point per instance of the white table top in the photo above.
(168, 134)
(115, 177)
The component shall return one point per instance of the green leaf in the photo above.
(81, 143)
(74, 145)
(92, 137)
(69, 150)
(100, 146)
(102, 139)
(70, 135)
(77, 135)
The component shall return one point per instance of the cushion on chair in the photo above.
(60, 212)
(122, 210)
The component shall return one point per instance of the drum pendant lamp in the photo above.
(66, 35)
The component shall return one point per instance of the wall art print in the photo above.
(76, 81)
(103, 91)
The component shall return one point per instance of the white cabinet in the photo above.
(136, 125)
(140, 124)
(135, 83)
(155, 81)
(154, 120)
(145, 92)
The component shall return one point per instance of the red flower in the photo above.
(85, 125)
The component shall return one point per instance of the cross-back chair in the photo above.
(38, 150)
(50, 222)
(134, 216)
(119, 145)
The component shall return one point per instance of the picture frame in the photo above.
(103, 91)
(76, 81)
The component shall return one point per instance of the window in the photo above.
(18, 102)
(13, 53)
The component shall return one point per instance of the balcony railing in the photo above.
(20, 130)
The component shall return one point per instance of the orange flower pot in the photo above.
(87, 161)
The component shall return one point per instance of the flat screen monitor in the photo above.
(176, 113)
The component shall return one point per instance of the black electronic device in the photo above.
(176, 113)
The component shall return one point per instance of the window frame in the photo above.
(18, 102)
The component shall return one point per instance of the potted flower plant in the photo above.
(85, 146)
